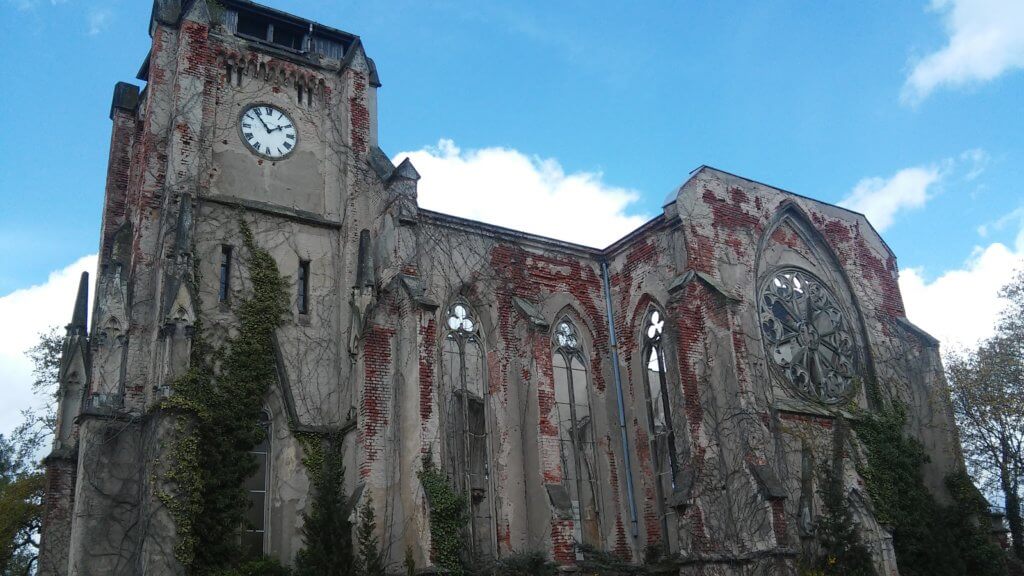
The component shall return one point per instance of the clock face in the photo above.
(268, 131)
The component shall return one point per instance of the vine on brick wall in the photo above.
(220, 399)
(447, 518)
(930, 539)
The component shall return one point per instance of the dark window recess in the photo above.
(288, 36)
(254, 26)
(225, 273)
(303, 299)
(258, 487)
(280, 33)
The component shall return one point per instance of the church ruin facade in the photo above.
(680, 387)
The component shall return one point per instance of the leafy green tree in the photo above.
(21, 500)
(842, 551)
(21, 479)
(371, 560)
(45, 357)
(987, 392)
(327, 532)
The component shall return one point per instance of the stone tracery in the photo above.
(807, 335)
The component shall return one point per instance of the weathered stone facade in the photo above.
(522, 364)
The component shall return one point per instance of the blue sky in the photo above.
(908, 111)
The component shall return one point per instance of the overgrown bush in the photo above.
(518, 564)
(261, 567)
(448, 518)
(930, 539)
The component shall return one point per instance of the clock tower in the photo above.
(252, 119)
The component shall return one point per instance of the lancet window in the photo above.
(576, 432)
(254, 536)
(664, 459)
(465, 422)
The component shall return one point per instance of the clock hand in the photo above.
(260, 118)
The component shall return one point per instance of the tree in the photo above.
(327, 532)
(371, 561)
(21, 479)
(21, 500)
(45, 357)
(842, 551)
(987, 392)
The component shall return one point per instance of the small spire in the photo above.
(406, 170)
(80, 316)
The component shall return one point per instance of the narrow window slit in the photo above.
(225, 273)
(303, 299)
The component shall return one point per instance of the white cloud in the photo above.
(99, 19)
(881, 198)
(26, 313)
(961, 306)
(508, 188)
(986, 39)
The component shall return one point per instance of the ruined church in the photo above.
(680, 388)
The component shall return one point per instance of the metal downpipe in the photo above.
(613, 341)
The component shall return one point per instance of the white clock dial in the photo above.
(268, 131)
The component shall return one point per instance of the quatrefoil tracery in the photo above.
(566, 337)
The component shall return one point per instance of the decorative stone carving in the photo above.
(807, 335)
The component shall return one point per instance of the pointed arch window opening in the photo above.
(664, 458)
(577, 442)
(466, 428)
(254, 535)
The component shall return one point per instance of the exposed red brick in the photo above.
(373, 410)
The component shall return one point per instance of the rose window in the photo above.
(807, 335)
(565, 335)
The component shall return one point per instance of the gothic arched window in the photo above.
(465, 422)
(807, 335)
(664, 461)
(254, 538)
(576, 432)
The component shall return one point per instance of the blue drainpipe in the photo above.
(622, 403)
